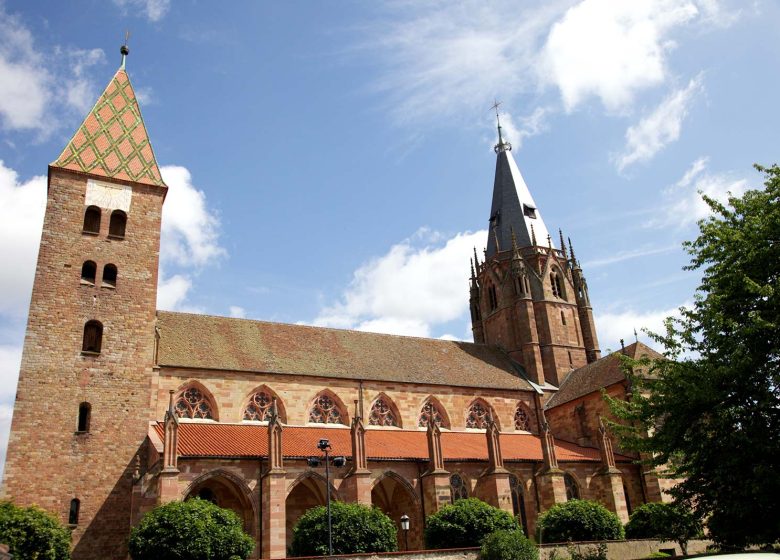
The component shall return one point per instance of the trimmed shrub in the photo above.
(356, 528)
(195, 529)
(465, 523)
(579, 520)
(31, 532)
(508, 545)
(666, 522)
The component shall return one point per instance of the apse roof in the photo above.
(222, 343)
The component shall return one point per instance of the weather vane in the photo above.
(124, 50)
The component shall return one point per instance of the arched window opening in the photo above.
(572, 490)
(259, 407)
(85, 412)
(73, 514)
(458, 489)
(382, 414)
(88, 271)
(117, 225)
(324, 410)
(518, 501)
(193, 404)
(91, 220)
(522, 419)
(492, 297)
(109, 276)
(208, 495)
(430, 413)
(93, 337)
(556, 283)
(478, 416)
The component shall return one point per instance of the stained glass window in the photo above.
(382, 414)
(458, 489)
(430, 412)
(193, 404)
(522, 419)
(325, 411)
(572, 490)
(259, 407)
(479, 416)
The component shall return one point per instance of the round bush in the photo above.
(508, 545)
(195, 529)
(33, 533)
(465, 523)
(356, 528)
(666, 522)
(579, 520)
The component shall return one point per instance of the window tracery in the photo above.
(193, 404)
(430, 412)
(518, 501)
(259, 407)
(325, 411)
(522, 419)
(458, 490)
(572, 490)
(478, 416)
(381, 414)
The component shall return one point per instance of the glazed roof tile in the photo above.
(212, 439)
(222, 343)
(112, 141)
(598, 375)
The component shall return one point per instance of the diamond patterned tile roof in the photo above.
(112, 141)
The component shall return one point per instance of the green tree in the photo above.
(465, 523)
(355, 528)
(31, 533)
(508, 545)
(710, 413)
(195, 529)
(666, 522)
(579, 520)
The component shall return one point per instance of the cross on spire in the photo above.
(501, 146)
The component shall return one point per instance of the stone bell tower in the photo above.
(527, 296)
(82, 404)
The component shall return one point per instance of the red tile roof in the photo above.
(213, 439)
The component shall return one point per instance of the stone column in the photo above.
(436, 480)
(168, 489)
(273, 512)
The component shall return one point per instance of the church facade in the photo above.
(121, 407)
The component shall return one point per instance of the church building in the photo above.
(121, 407)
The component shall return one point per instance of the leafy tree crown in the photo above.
(508, 545)
(465, 523)
(579, 520)
(31, 532)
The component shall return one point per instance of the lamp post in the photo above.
(324, 446)
(405, 529)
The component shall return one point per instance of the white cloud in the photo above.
(517, 130)
(190, 231)
(613, 326)
(683, 204)
(621, 256)
(659, 128)
(172, 291)
(81, 90)
(237, 311)
(419, 283)
(154, 10)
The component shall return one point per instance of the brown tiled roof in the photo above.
(112, 141)
(597, 375)
(222, 343)
(251, 441)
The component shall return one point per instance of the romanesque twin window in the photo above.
(91, 220)
(325, 411)
(89, 274)
(117, 223)
(381, 414)
(193, 404)
(259, 407)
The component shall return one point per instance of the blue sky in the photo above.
(331, 162)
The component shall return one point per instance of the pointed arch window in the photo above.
(572, 489)
(192, 403)
(431, 412)
(117, 224)
(73, 514)
(522, 418)
(109, 276)
(458, 490)
(324, 410)
(88, 272)
(478, 415)
(259, 407)
(557, 286)
(518, 501)
(382, 414)
(91, 220)
(93, 337)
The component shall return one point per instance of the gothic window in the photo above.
(88, 271)
(109, 276)
(93, 337)
(430, 412)
(73, 514)
(478, 415)
(458, 489)
(91, 220)
(382, 414)
(259, 407)
(116, 227)
(324, 410)
(557, 285)
(193, 404)
(572, 490)
(492, 297)
(518, 501)
(85, 412)
(522, 418)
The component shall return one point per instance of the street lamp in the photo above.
(324, 446)
(405, 529)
